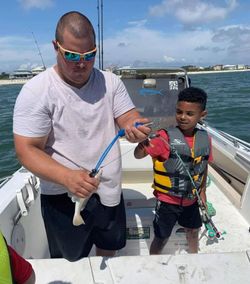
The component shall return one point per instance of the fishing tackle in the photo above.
(206, 218)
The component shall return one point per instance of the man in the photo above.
(64, 119)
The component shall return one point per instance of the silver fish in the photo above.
(80, 204)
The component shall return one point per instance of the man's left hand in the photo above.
(140, 133)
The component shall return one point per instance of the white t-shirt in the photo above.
(80, 124)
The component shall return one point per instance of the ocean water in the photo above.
(228, 103)
(8, 161)
(228, 110)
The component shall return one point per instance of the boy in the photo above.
(176, 199)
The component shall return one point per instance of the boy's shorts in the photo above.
(166, 216)
(104, 226)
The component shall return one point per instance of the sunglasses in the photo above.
(75, 56)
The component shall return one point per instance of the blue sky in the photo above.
(136, 32)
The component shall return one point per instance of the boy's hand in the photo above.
(157, 148)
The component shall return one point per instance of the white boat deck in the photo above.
(217, 268)
(224, 260)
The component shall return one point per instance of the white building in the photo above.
(37, 70)
(21, 74)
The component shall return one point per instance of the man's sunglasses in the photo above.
(75, 56)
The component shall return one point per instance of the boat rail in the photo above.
(236, 142)
(4, 180)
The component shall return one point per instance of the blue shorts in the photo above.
(166, 216)
(104, 226)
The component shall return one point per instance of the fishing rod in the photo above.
(39, 51)
(206, 218)
(100, 32)
(120, 133)
(96, 169)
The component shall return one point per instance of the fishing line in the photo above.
(120, 133)
(118, 157)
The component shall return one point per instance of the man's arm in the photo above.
(30, 152)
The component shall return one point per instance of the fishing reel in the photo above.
(211, 229)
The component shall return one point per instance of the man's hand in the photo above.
(137, 134)
(79, 183)
(133, 133)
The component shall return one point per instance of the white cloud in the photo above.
(169, 59)
(154, 47)
(138, 23)
(138, 45)
(39, 4)
(193, 11)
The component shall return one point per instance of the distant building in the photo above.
(229, 67)
(21, 74)
(217, 67)
(240, 66)
(26, 74)
(37, 70)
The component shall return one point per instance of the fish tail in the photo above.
(78, 220)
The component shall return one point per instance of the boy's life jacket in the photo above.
(5, 264)
(170, 177)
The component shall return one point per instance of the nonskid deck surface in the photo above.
(216, 268)
(227, 219)
(224, 260)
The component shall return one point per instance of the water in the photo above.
(8, 161)
(228, 110)
(228, 101)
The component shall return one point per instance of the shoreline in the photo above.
(216, 71)
(23, 81)
(13, 81)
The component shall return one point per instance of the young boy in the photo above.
(173, 188)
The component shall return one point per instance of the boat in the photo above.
(222, 259)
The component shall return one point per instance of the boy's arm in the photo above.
(157, 148)
(203, 188)
(204, 181)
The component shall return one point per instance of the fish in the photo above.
(80, 204)
(147, 91)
